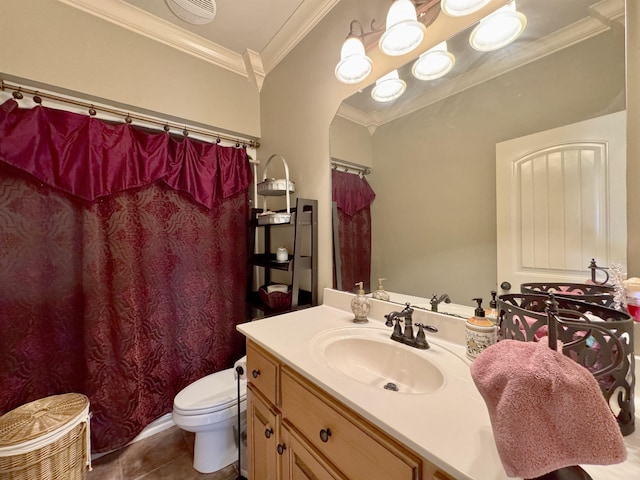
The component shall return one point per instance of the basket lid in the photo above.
(40, 417)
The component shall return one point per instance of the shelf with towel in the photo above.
(303, 259)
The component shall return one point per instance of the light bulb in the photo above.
(498, 29)
(403, 31)
(434, 63)
(354, 65)
(460, 8)
(389, 87)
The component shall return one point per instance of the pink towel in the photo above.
(547, 411)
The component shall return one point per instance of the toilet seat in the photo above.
(213, 393)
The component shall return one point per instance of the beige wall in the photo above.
(633, 139)
(351, 142)
(50, 43)
(301, 95)
(434, 218)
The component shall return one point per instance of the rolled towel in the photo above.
(546, 411)
(242, 373)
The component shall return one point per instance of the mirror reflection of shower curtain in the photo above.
(352, 198)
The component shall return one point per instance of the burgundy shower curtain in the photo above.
(353, 196)
(122, 265)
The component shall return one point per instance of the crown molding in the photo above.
(369, 120)
(566, 37)
(608, 10)
(299, 25)
(136, 20)
(252, 65)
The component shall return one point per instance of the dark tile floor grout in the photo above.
(164, 456)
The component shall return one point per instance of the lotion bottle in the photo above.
(360, 305)
(480, 332)
(380, 293)
(492, 312)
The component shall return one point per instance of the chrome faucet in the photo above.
(435, 301)
(417, 341)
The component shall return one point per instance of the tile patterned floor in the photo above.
(167, 455)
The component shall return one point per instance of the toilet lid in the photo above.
(210, 394)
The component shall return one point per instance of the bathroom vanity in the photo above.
(317, 410)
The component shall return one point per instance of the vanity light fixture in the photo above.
(498, 29)
(388, 87)
(460, 8)
(434, 63)
(403, 30)
(354, 65)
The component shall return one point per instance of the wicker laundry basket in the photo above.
(47, 439)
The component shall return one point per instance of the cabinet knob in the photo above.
(281, 448)
(325, 434)
(255, 373)
(268, 432)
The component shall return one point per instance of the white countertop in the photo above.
(450, 427)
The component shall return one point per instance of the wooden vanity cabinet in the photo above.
(297, 431)
(263, 415)
(263, 437)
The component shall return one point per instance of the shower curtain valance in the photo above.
(90, 158)
(351, 192)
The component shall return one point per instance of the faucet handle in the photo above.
(426, 327)
(421, 338)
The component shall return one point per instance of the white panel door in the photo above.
(561, 201)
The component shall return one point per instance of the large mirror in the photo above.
(432, 152)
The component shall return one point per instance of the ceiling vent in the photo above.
(196, 12)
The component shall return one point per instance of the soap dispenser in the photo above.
(480, 332)
(380, 293)
(360, 305)
(492, 312)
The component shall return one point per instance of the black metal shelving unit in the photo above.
(304, 223)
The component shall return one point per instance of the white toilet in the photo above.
(209, 407)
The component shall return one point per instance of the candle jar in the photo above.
(282, 255)
(633, 306)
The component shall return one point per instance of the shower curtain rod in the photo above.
(349, 166)
(18, 92)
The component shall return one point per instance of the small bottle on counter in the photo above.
(380, 293)
(360, 305)
(492, 312)
(480, 332)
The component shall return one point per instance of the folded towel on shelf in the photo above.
(546, 411)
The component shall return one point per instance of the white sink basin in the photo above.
(369, 356)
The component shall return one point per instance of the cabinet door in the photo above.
(262, 372)
(301, 463)
(357, 449)
(263, 427)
